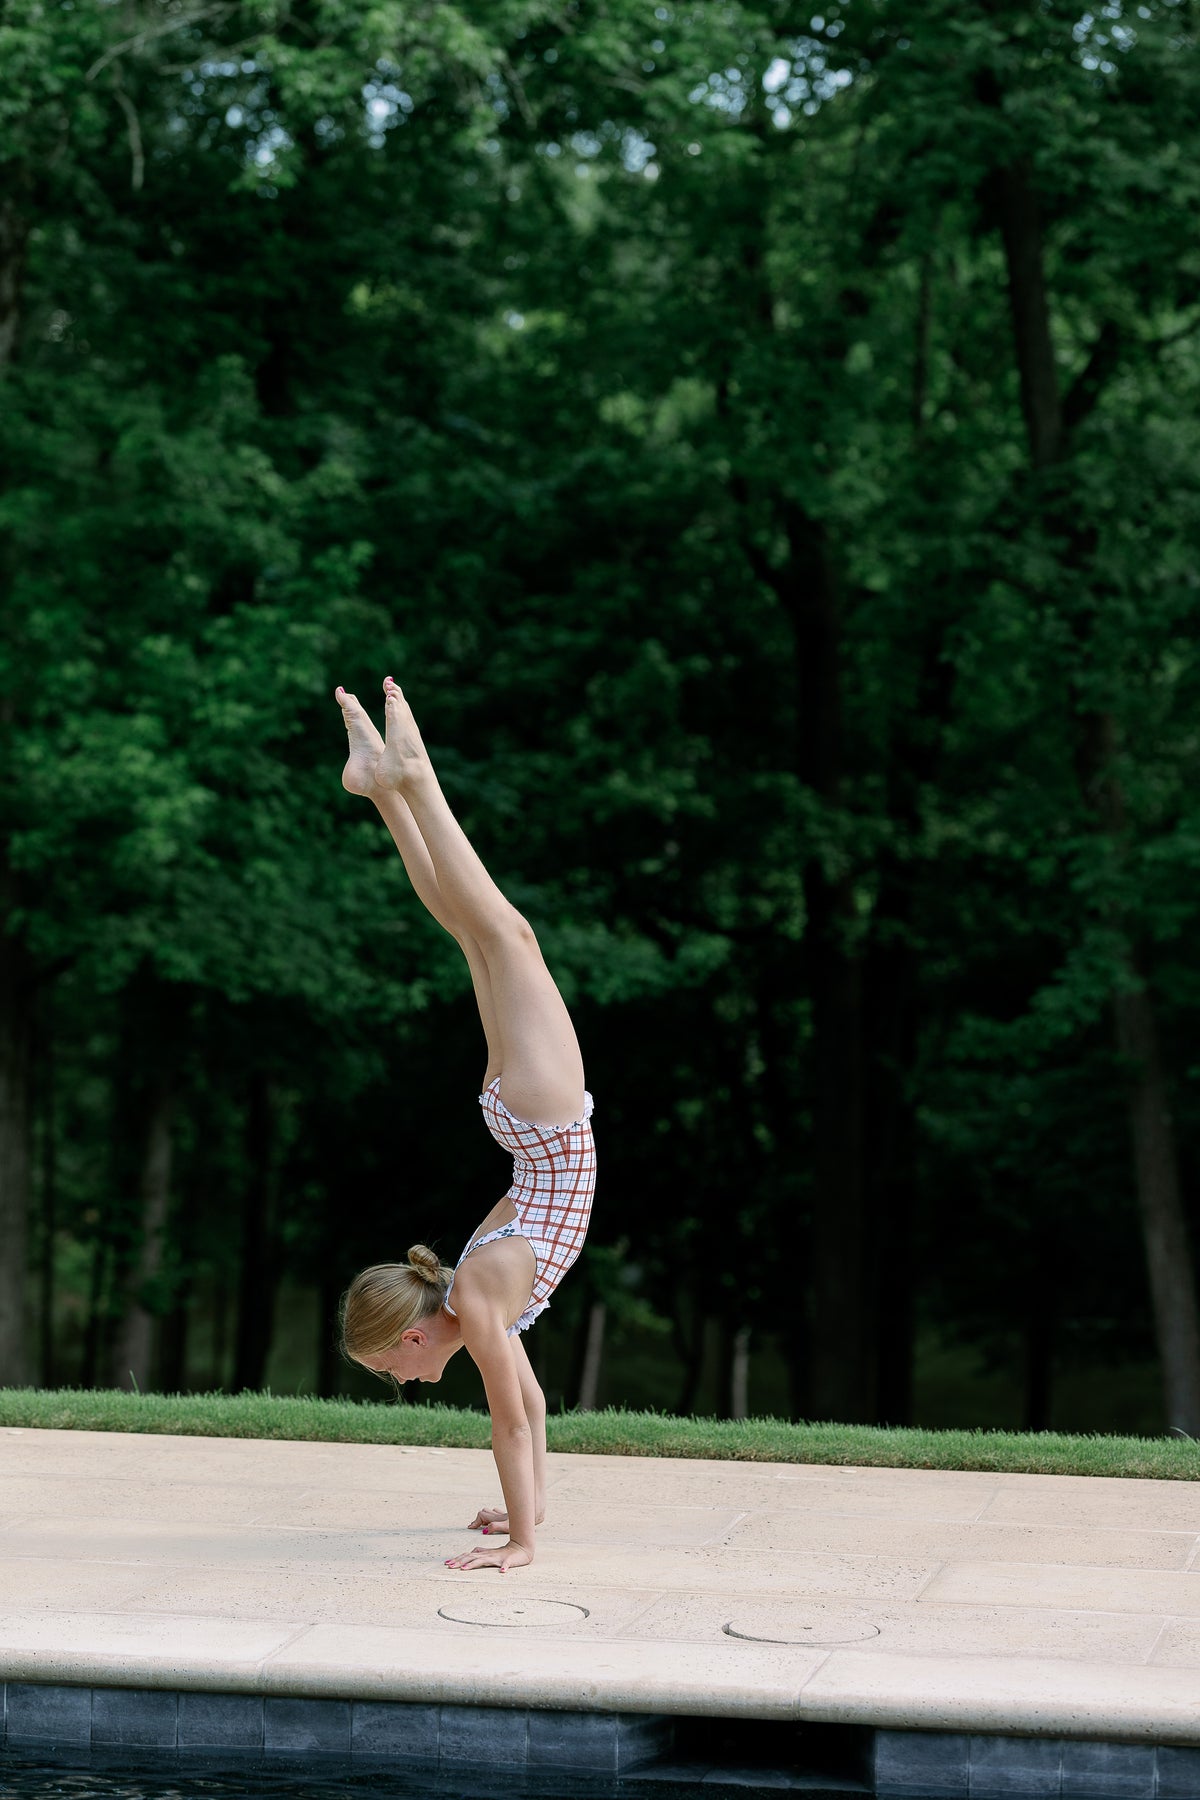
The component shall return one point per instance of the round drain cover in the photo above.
(479, 1610)
(788, 1625)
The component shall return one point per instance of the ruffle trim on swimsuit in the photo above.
(509, 1230)
(526, 1124)
(527, 1317)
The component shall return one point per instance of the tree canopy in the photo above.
(765, 447)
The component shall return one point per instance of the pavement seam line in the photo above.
(1149, 1656)
(928, 1582)
(810, 1677)
(279, 1649)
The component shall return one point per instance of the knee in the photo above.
(508, 927)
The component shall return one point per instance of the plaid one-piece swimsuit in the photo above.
(554, 1178)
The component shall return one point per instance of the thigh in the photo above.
(481, 980)
(541, 1075)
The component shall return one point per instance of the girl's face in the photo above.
(421, 1354)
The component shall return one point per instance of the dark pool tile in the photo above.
(1015, 1765)
(299, 1724)
(220, 1721)
(391, 1728)
(45, 1714)
(932, 1764)
(483, 1735)
(764, 1780)
(573, 1740)
(21, 1757)
(1178, 1772)
(643, 1738)
(682, 1772)
(143, 1716)
(1108, 1771)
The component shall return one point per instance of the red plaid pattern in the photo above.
(554, 1178)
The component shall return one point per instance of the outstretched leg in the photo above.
(541, 1073)
(358, 777)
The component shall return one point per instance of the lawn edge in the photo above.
(611, 1432)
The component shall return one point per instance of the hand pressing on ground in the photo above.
(498, 1556)
(492, 1520)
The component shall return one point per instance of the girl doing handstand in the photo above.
(397, 1318)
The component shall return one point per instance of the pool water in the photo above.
(84, 1775)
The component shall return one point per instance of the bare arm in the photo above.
(490, 1519)
(534, 1402)
(484, 1335)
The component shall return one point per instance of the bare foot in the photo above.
(366, 746)
(404, 755)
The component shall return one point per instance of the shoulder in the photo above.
(483, 1311)
(494, 1278)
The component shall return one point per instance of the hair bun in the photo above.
(427, 1265)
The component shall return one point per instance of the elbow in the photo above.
(535, 1404)
(510, 1430)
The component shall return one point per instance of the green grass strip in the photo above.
(612, 1432)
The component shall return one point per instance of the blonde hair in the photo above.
(383, 1302)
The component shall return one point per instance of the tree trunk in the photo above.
(1041, 1332)
(49, 1211)
(1021, 230)
(134, 1346)
(1169, 1260)
(739, 1374)
(173, 1342)
(689, 1347)
(593, 1357)
(838, 1360)
(220, 1331)
(328, 1359)
(259, 1273)
(94, 1330)
(1155, 1158)
(891, 1175)
(16, 995)
(13, 234)
(830, 1345)
(16, 977)
(890, 981)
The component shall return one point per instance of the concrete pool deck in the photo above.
(898, 1598)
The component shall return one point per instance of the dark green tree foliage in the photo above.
(765, 446)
